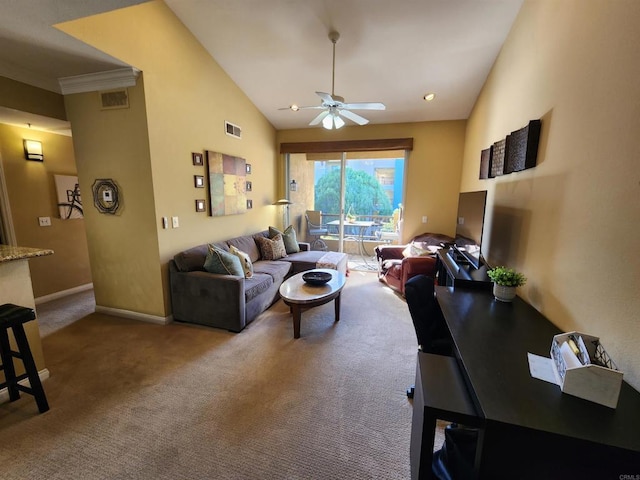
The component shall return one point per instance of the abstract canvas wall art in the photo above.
(227, 179)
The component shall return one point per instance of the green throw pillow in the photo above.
(225, 263)
(288, 237)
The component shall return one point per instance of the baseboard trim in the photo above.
(63, 293)
(144, 317)
(4, 393)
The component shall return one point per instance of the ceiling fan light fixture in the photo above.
(333, 106)
(429, 96)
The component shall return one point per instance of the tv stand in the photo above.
(457, 257)
(454, 270)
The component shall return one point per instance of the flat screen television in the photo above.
(469, 224)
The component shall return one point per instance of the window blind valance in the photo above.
(348, 146)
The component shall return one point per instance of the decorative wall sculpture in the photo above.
(227, 178)
(485, 162)
(522, 150)
(516, 152)
(497, 158)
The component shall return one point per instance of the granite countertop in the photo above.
(9, 253)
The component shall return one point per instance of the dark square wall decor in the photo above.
(522, 151)
(497, 158)
(485, 160)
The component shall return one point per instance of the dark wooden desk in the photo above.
(531, 429)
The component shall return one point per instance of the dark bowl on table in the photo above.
(316, 278)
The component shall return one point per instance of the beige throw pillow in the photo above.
(245, 261)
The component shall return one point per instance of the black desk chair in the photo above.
(456, 457)
(431, 330)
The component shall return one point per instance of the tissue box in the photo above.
(598, 382)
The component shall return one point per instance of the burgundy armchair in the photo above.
(399, 263)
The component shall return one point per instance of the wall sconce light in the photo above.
(293, 186)
(33, 150)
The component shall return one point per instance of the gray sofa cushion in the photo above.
(265, 274)
(247, 244)
(257, 284)
(193, 259)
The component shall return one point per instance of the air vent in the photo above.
(114, 99)
(232, 130)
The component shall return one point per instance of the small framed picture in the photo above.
(198, 181)
(197, 158)
(200, 205)
(249, 204)
(248, 168)
(249, 186)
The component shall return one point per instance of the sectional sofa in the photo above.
(233, 301)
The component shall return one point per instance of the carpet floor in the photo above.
(134, 400)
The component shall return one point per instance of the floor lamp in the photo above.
(285, 209)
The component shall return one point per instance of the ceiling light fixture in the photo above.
(332, 120)
(334, 106)
(429, 96)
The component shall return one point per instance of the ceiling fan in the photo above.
(333, 105)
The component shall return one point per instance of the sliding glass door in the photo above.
(359, 195)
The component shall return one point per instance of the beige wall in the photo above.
(432, 171)
(25, 98)
(179, 106)
(571, 223)
(113, 144)
(32, 194)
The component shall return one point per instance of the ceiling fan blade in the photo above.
(354, 117)
(325, 97)
(319, 118)
(365, 106)
(316, 107)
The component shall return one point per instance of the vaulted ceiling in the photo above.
(278, 51)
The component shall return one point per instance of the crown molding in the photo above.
(95, 82)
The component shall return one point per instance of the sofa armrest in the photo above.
(304, 246)
(208, 298)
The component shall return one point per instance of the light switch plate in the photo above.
(174, 222)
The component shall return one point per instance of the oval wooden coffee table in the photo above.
(300, 295)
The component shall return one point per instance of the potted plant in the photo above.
(505, 281)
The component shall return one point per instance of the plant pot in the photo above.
(504, 293)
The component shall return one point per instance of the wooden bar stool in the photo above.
(14, 316)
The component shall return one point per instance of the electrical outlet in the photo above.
(424, 219)
(174, 222)
(44, 221)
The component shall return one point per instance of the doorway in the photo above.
(360, 195)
